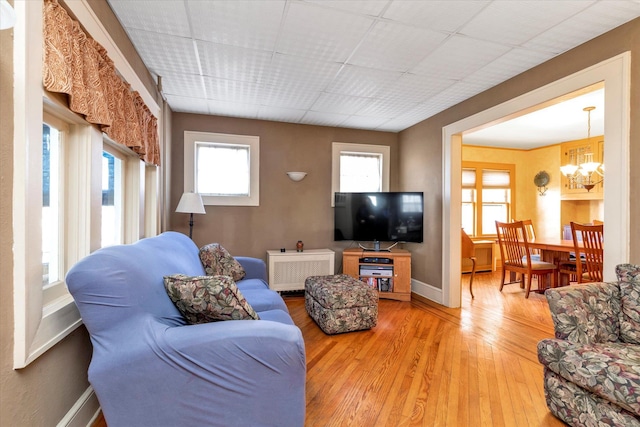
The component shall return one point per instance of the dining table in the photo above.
(554, 251)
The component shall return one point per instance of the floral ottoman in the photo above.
(340, 303)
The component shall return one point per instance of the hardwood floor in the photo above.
(428, 365)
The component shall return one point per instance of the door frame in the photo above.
(616, 75)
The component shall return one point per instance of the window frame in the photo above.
(478, 203)
(253, 142)
(43, 318)
(337, 148)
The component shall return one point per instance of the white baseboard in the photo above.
(427, 291)
(84, 412)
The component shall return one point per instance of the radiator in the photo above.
(288, 270)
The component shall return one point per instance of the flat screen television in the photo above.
(379, 217)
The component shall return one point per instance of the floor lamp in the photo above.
(190, 203)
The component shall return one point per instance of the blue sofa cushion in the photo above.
(203, 299)
(216, 260)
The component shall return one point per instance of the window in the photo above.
(52, 250)
(57, 185)
(112, 198)
(223, 168)
(359, 168)
(487, 193)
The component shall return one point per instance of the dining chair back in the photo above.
(469, 251)
(516, 256)
(592, 251)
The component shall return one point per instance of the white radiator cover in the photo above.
(288, 270)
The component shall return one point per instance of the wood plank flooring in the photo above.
(428, 365)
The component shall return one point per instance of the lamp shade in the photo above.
(7, 15)
(191, 203)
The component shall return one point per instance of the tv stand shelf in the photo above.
(395, 264)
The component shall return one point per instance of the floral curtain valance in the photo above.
(77, 65)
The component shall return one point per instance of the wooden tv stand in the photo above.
(398, 268)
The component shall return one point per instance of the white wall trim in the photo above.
(616, 75)
(84, 412)
(427, 291)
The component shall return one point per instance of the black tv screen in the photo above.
(385, 217)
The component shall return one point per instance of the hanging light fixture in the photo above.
(587, 174)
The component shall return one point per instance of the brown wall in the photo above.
(421, 145)
(289, 211)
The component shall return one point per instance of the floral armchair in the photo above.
(592, 366)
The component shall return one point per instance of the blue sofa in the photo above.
(149, 368)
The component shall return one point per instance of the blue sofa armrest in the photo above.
(254, 268)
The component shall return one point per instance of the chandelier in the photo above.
(588, 174)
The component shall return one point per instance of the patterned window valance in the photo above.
(75, 64)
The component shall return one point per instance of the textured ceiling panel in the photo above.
(166, 54)
(339, 104)
(515, 22)
(232, 62)
(363, 82)
(444, 15)
(472, 54)
(322, 34)
(249, 24)
(167, 16)
(395, 47)
(366, 64)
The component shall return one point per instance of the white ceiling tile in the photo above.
(184, 85)
(362, 82)
(292, 70)
(324, 119)
(414, 88)
(515, 22)
(288, 96)
(321, 33)
(586, 25)
(165, 54)
(362, 7)
(167, 16)
(509, 65)
(232, 109)
(471, 55)
(187, 104)
(279, 114)
(339, 104)
(396, 47)
(232, 90)
(444, 15)
(233, 62)
(387, 108)
(250, 24)
(362, 122)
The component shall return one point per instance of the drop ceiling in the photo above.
(370, 64)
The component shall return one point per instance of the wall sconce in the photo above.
(191, 203)
(296, 176)
(7, 15)
(583, 173)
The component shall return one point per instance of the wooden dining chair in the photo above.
(590, 268)
(469, 251)
(516, 256)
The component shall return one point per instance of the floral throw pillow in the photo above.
(203, 299)
(218, 261)
(629, 282)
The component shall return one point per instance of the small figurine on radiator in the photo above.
(299, 246)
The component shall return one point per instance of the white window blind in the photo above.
(468, 178)
(495, 178)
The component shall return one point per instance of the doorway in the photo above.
(615, 73)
